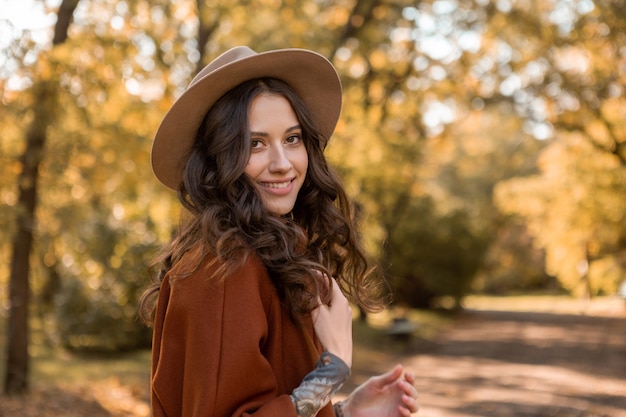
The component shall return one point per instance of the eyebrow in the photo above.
(265, 134)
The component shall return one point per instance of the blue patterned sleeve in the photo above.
(320, 385)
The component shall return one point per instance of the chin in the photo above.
(280, 212)
(280, 209)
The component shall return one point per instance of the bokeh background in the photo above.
(483, 143)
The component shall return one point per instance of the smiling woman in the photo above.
(270, 240)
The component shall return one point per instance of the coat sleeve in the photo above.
(207, 353)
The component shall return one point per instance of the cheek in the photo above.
(303, 161)
(254, 167)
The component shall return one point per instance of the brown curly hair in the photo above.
(226, 217)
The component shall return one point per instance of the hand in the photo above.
(333, 324)
(387, 395)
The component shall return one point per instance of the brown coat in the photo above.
(227, 350)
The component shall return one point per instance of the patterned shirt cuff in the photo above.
(338, 408)
(320, 385)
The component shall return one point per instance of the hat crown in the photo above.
(227, 58)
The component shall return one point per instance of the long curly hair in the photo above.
(227, 219)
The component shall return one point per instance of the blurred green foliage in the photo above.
(96, 305)
(433, 255)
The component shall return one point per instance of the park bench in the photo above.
(401, 329)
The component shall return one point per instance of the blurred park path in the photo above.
(558, 360)
(501, 357)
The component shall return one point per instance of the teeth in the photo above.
(276, 184)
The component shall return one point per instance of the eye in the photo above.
(256, 143)
(293, 139)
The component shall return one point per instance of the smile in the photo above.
(277, 185)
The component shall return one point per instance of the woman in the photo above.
(251, 317)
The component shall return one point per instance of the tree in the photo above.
(575, 86)
(442, 100)
(556, 67)
(434, 255)
(575, 210)
(45, 112)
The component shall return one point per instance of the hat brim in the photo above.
(309, 74)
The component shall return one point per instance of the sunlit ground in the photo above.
(553, 304)
(463, 367)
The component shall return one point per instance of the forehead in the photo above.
(270, 110)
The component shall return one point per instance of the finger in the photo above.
(404, 412)
(338, 301)
(409, 377)
(410, 403)
(336, 293)
(323, 285)
(315, 313)
(388, 377)
(408, 389)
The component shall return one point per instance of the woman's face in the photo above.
(278, 158)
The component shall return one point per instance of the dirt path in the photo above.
(565, 360)
(525, 364)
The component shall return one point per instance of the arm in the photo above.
(381, 396)
(320, 385)
(333, 327)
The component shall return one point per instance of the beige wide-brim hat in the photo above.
(309, 74)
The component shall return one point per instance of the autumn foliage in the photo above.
(483, 143)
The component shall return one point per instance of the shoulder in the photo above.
(194, 279)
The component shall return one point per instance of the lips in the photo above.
(277, 187)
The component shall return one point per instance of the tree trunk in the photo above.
(45, 111)
(205, 31)
(19, 289)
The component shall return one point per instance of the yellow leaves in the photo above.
(599, 132)
(45, 68)
(164, 211)
(378, 60)
(575, 208)
(94, 271)
(15, 167)
(521, 196)
(614, 109)
(605, 273)
(185, 10)
(118, 78)
(61, 53)
(8, 197)
(85, 161)
(336, 17)
(357, 67)
(572, 59)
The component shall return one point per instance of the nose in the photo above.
(279, 161)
